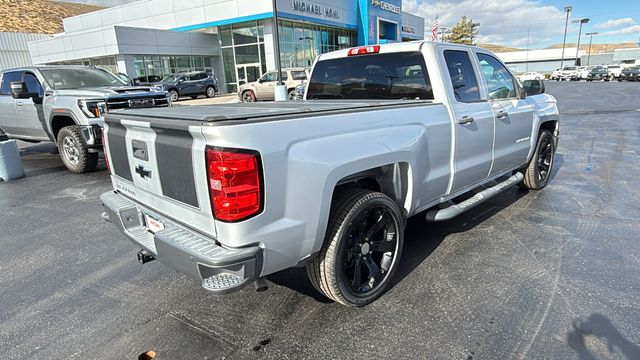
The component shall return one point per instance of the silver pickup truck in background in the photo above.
(65, 104)
(231, 193)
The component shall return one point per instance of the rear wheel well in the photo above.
(58, 122)
(393, 180)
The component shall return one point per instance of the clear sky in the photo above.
(521, 23)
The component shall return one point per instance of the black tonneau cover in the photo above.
(264, 111)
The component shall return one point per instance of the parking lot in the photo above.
(531, 275)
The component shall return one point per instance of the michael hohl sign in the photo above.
(314, 9)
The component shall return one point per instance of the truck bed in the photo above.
(263, 111)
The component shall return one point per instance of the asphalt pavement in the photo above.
(553, 274)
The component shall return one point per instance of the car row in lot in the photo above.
(595, 72)
(190, 84)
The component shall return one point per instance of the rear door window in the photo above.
(7, 79)
(378, 76)
(462, 76)
(299, 75)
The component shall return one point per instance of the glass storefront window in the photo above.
(166, 65)
(245, 34)
(225, 35)
(247, 54)
(301, 43)
(245, 45)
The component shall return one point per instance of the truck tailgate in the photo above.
(161, 165)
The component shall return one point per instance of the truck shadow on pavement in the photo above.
(421, 238)
(586, 333)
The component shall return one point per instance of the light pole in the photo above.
(581, 21)
(590, 41)
(280, 89)
(567, 10)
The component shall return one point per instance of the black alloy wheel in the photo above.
(538, 172)
(369, 251)
(545, 159)
(362, 247)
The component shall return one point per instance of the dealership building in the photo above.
(231, 38)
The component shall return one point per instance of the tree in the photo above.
(465, 31)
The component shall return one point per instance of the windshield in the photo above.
(382, 76)
(569, 68)
(171, 78)
(77, 78)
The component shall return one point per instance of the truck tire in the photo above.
(210, 92)
(538, 171)
(73, 151)
(362, 248)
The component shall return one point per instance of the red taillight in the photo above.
(104, 149)
(364, 50)
(234, 183)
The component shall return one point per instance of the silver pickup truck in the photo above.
(65, 105)
(231, 193)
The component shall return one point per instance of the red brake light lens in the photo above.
(364, 50)
(234, 183)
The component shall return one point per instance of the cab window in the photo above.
(7, 79)
(463, 78)
(497, 78)
(376, 76)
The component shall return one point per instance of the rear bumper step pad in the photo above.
(220, 270)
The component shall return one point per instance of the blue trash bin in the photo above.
(10, 163)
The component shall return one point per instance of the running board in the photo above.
(455, 210)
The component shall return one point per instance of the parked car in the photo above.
(568, 73)
(191, 84)
(630, 74)
(66, 105)
(614, 71)
(555, 75)
(531, 76)
(598, 73)
(386, 132)
(583, 72)
(264, 88)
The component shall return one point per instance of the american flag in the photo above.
(434, 29)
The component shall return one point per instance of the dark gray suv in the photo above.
(190, 84)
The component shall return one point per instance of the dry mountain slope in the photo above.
(38, 16)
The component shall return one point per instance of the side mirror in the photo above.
(19, 91)
(533, 87)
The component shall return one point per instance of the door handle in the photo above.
(19, 103)
(465, 120)
(502, 114)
